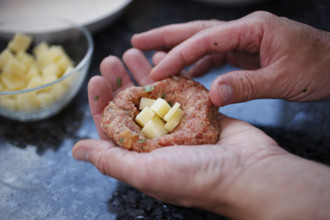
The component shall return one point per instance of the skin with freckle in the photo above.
(198, 126)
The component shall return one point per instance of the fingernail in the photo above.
(225, 94)
(80, 154)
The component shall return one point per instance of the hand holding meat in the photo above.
(244, 175)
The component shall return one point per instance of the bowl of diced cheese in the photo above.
(43, 63)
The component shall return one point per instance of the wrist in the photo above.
(281, 187)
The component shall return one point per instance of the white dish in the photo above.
(93, 14)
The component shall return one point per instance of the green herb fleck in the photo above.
(203, 25)
(110, 108)
(163, 96)
(142, 141)
(119, 82)
(96, 98)
(170, 103)
(148, 88)
(305, 90)
(215, 43)
(121, 140)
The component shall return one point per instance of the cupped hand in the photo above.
(207, 176)
(280, 58)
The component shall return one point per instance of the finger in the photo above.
(138, 65)
(99, 95)
(115, 73)
(166, 37)
(158, 56)
(234, 35)
(205, 64)
(111, 160)
(241, 86)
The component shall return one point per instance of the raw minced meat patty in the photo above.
(198, 126)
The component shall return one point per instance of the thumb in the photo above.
(241, 86)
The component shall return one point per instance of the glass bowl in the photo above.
(49, 98)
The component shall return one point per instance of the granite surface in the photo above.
(39, 179)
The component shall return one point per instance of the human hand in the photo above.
(280, 58)
(229, 178)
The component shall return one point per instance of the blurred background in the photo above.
(39, 179)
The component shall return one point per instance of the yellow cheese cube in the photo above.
(48, 78)
(32, 72)
(5, 56)
(174, 120)
(26, 59)
(160, 107)
(64, 63)
(8, 102)
(154, 128)
(20, 42)
(172, 111)
(13, 82)
(59, 90)
(41, 54)
(27, 101)
(55, 53)
(14, 67)
(146, 102)
(144, 116)
(41, 49)
(45, 99)
(51, 70)
(68, 70)
(35, 82)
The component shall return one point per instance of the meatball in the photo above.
(198, 126)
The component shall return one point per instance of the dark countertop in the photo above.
(39, 179)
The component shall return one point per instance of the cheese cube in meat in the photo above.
(146, 102)
(174, 120)
(154, 128)
(144, 116)
(160, 107)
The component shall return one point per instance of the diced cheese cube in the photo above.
(146, 102)
(5, 56)
(154, 128)
(51, 70)
(144, 116)
(55, 53)
(41, 54)
(13, 82)
(41, 49)
(14, 67)
(45, 99)
(20, 42)
(63, 63)
(174, 120)
(32, 72)
(48, 78)
(172, 111)
(26, 59)
(8, 102)
(68, 70)
(35, 82)
(160, 107)
(59, 90)
(27, 101)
